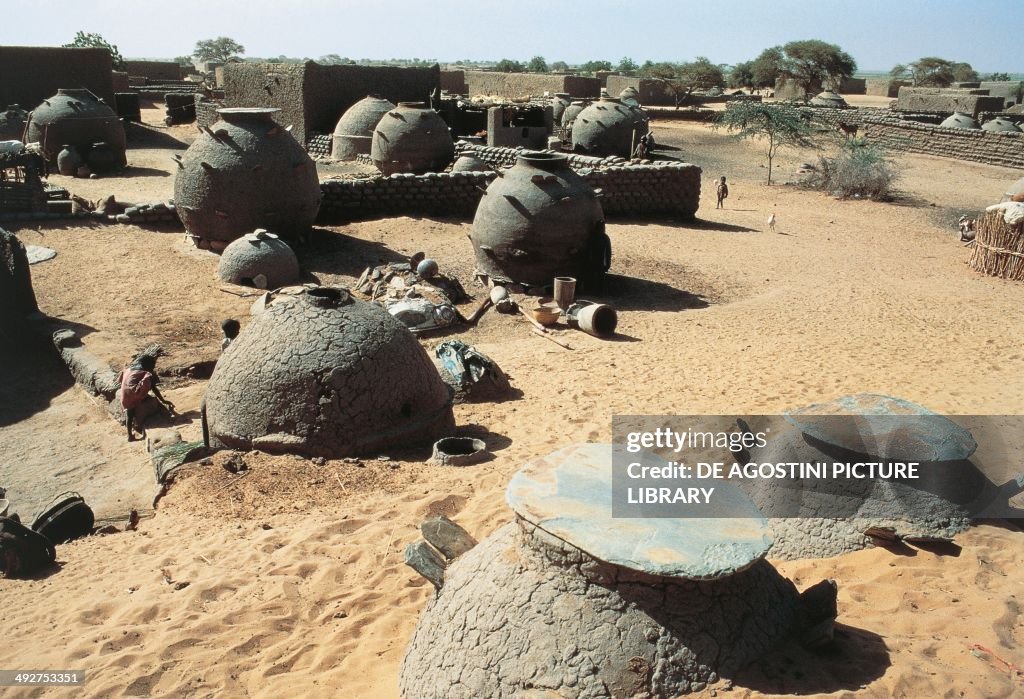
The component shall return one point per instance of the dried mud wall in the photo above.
(992, 148)
(154, 70)
(30, 74)
(883, 87)
(652, 92)
(520, 84)
(657, 190)
(946, 101)
(312, 97)
(454, 81)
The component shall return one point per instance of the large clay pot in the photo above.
(540, 220)
(354, 132)
(412, 138)
(605, 128)
(68, 161)
(78, 118)
(246, 172)
(573, 111)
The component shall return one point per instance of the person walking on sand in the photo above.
(137, 380)
(722, 192)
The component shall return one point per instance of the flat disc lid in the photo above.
(885, 427)
(568, 494)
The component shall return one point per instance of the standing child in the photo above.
(230, 328)
(137, 380)
(723, 192)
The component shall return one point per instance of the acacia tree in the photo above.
(742, 75)
(85, 40)
(507, 65)
(812, 63)
(767, 67)
(627, 65)
(560, 66)
(778, 126)
(594, 66)
(222, 49)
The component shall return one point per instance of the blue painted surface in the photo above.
(569, 495)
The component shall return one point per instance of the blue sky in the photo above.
(877, 33)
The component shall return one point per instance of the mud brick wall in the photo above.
(1012, 92)
(512, 85)
(206, 110)
(664, 189)
(1005, 149)
(454, 81)
(499, 156)
(319, 145)
(119, 81)
(154, 70)
(946, 101)
(884, 87)
(312, 97)
(330, 90)
(437, 194)
(30, 74)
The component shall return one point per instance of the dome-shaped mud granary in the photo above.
(821, 518)
(322, 374)
(412, 138)
(607, 127)
(471, 163)
(243, 173)
(1001, 124)
(259, 259)
(1015, 192)
(573, 111)
(12, 123)
(959, 120)
(569, 602)
(559, 102)
(828, 99)
(81, 119)
(540, 220)
(354, 131)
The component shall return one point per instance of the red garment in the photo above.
(135, 386)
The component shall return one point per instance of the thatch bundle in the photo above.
(999, 247)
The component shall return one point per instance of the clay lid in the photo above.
(569, 495)
(886, 427)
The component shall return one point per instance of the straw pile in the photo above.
(999, 247)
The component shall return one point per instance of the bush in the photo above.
(860, 171)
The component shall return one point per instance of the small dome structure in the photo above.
(559, 102)
(353, 133)
(80, 119)
(630, 96)
(12, 123)
(1000, 124)
(828, 99)
(411, 138)
(322, 374)
(959, 120)
(471, 163)
(573, 111)
(259, 259)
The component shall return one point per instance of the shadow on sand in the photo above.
(31, 379)
(854, 659)
(329, 252)
(633, 294)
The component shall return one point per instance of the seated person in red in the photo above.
(137, 381)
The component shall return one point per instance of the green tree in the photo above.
(767, 67)
(812, 63)
(681, 79)
(537, 64)
(627, 65)
(507, 65)
(84, 40)
(997, 77)
(332, 59)
(185, 62)
(964, 73)
(594, 66)
(777, 126)
(742, 75)
(221, 49)
(560, 66)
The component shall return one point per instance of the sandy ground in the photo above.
(290, 581)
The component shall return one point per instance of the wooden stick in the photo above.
(554, 339)
(479, 312)
(530, 318)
